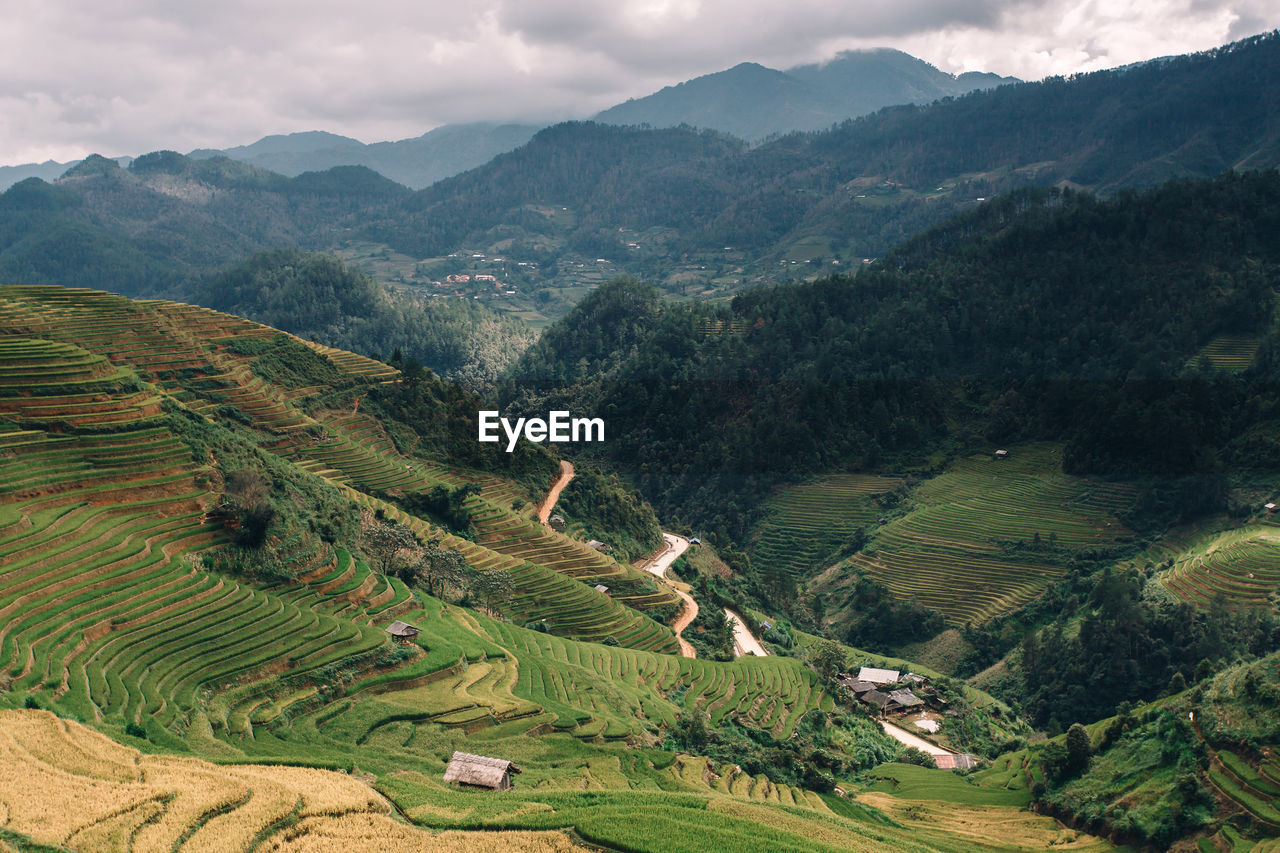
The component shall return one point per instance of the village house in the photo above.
(875, 699)
(901, 701)
(480, 771)
(878, 677)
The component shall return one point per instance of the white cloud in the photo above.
(137, 75)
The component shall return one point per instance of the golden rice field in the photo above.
(64, 784)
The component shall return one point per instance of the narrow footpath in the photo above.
(675, 546)
(549, 503)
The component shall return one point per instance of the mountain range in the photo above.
(749, 101)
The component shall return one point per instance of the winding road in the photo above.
(549, 502)
(908, 739)
(675, 546)
(744, 642)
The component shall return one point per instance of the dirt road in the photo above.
(744, 642)
(549, 503)
(905, 737)
(676, 545)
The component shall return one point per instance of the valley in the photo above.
(906, 483)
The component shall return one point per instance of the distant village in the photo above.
(895, 696)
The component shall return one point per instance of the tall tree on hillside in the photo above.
(440, 568)
(386, 542)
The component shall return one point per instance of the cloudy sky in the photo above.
(130, 76)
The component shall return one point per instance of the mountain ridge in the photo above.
(752, 101)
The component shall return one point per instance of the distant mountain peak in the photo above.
(753, 101)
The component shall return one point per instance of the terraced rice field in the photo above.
(63, 784)
(101, 601)
(1242, 565)
(512, 680)
(569, 606)
(809, 522)
(957, 550)
(1255, 790)
(1229, 353)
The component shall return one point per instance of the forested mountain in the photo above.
(866, 185)
(698, 213)
(317, 296)
(1042, 314)
(170, 226)
(751, 101)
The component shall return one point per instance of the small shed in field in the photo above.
(480, 771)
(1269, 507)
(599, 546)
(556, 522)
(1002, 454)
(403, 632)
(601, 588)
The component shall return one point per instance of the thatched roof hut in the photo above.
(480, 771)
(403, 631)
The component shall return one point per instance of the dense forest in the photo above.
(1043, 314)
(318, 296)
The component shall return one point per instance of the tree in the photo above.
(439, 568)
(1078, 749)
(384, 540)
(828, 659)
(249, 494)
(492, 588)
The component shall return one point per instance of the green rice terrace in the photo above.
(988, 535)
(128, 605)
(806, 523)
(1242, 566)
(120, 422)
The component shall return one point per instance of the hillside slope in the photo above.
(192, 521)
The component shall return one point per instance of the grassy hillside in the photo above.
(186, 516)
(988, 535)
(1199, 764)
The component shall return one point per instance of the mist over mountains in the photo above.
(749, 101)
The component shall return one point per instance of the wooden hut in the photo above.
(480, 771)
(403, 632)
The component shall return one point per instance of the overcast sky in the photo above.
(130, 76)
